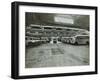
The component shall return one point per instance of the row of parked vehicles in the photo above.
(36, 41)
(77, 39)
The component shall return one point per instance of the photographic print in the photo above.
(55, 40)
(51, 40)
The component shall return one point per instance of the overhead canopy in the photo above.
(72, 20)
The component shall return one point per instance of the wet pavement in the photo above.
(52, 55)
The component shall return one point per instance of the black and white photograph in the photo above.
(56, 40)
(50, 40)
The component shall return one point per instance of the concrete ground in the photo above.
(51, 55)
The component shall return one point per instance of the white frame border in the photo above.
(53, 70)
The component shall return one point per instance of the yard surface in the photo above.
(52, 55)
